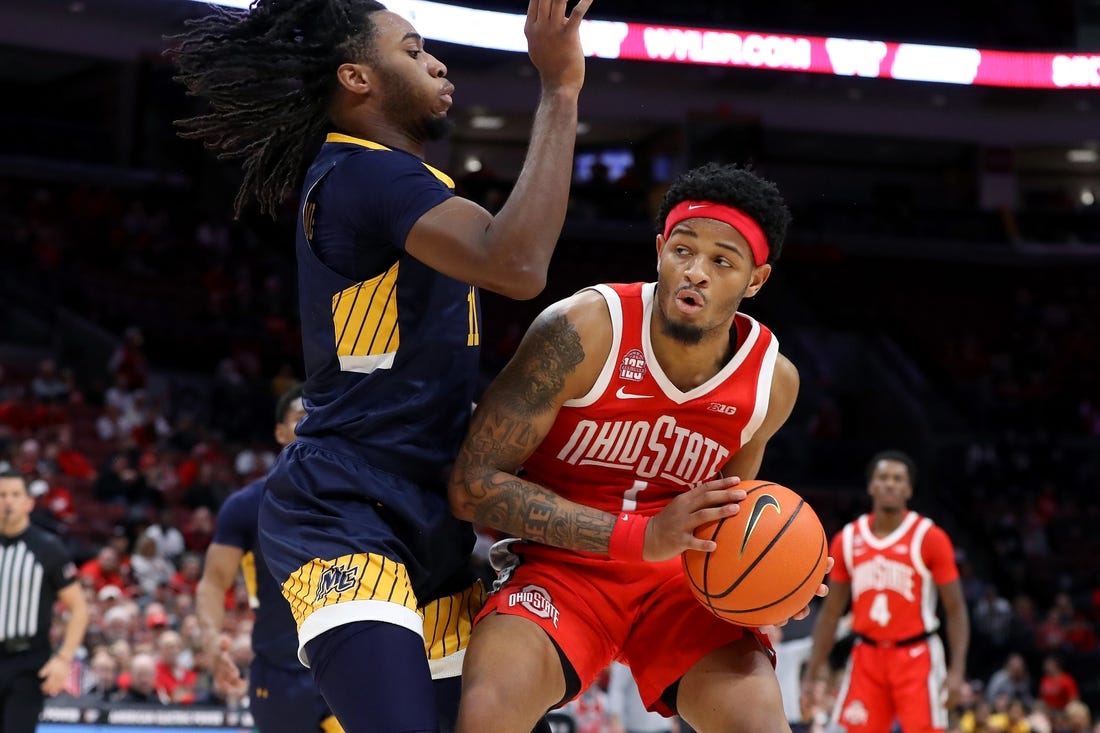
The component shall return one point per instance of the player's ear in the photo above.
(760, 276)
(660, 246)
(356, 78)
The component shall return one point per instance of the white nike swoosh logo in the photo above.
(693, 207)
(627, 396)
(916, 651)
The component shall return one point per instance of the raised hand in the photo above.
(671, 531)
(554, 42)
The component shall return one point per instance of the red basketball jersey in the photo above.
(635, 441)
(894, 578)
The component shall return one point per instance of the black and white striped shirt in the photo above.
(34, 566)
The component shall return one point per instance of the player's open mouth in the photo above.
(688, 301)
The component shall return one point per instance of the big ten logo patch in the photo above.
(536, 600)
(632, 366)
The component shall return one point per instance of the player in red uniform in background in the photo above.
(632, 409)
(892, 564)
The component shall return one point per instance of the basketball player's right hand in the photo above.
(554, 42)
(672, 530)
(227, 676)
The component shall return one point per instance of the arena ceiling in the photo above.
(64, 44)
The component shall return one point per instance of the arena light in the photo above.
(760, 50)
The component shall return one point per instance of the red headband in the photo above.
(739, 220)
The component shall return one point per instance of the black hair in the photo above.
(282, 407)
(893, 455)
(734, 186)
(269, 75)
(9, 472)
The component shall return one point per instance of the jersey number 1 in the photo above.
(473, 337)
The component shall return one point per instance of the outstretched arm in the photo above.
(509, 253)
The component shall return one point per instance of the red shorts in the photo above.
(884, 683)
(598, 611)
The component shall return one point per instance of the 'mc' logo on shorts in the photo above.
(536, 600)
(336, 579)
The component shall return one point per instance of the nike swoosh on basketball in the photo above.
(622, 395)
(765, 501)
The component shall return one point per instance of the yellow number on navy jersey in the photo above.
(474, 336)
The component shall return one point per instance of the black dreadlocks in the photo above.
(268, 75)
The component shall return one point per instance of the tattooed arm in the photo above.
(559, 359)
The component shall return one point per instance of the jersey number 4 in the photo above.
(880, 610)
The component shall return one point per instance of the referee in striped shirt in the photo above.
(35, 572)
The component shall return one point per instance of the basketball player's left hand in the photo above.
(53, 674)
(822, 591)
(952, 688)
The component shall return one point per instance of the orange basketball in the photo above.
(770, 559)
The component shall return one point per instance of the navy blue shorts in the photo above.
(350, 542)
(286, 700)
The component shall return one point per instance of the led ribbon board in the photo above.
(757, 50)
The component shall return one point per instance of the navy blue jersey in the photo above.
(274, 631)
(390, 345)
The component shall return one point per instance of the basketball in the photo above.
(770, 559)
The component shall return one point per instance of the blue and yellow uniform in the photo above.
(282, 695)
(356, 523)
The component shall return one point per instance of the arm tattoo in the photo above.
(503, 435)
(552, 352)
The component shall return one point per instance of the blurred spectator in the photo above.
(1057, 688)
(108, 426)
(143, 682)
(199, 530)
(1011, 681)
(1012, 720)
(104, 687)
(978, 719)
(106, 569)
(1076, 718)
(209, 488)
(129, 360)
(120, 482)
(58, 501)
(71, 461)
(186, 579)
(168, 538)
(47, 386)
(149, 569)
(175, 681)
(992, 616)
